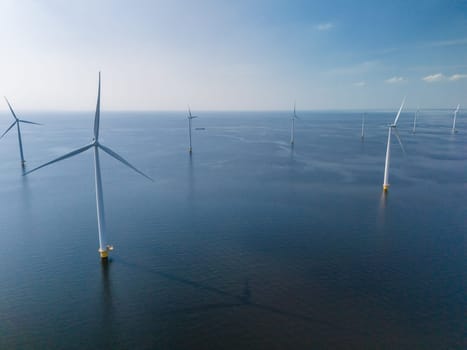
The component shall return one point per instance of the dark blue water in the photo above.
(247, 244)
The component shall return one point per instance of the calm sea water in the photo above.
(248, 244)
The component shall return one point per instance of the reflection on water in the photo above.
(382, 208)
(191, 179)
(106, 291)
(108, 332)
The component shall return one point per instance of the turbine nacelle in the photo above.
(190, 116)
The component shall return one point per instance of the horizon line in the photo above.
(238, 110)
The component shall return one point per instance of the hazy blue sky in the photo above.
(162, 55)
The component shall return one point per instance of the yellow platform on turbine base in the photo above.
(104, 253)
(385, 188)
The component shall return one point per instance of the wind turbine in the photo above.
(454, 121)
(16, 122)
(190, 117)
(392, 127)
(363, 126)
(104, 248)
(294, 116)
(415, 120)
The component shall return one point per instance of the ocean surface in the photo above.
(247, 244)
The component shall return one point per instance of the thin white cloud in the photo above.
(434, 78)
(455, 77)
(444, 43)
(325, 26)
(360, 84)
(396, 80)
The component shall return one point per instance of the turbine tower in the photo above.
(363, 126)
(415, 120)
(16, 122)
(292, 131)
(190, 117)
(453, 131)
(391, 128)
(104, 248)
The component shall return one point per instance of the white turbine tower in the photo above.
(16, 122)
(453, 131)
(415, 120)
(190, 117)
(392, 127)
(104, 248)
(292, 131)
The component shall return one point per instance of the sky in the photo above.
(233, 55)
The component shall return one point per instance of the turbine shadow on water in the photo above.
(238, 300)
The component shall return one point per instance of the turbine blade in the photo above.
(68, 155)
(11, 109)
(121, 159)
(98, 110)
(12, 125)
(399, 113)
(28, 122)
(399, 139)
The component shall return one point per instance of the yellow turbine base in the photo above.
(104, 253)
(385, 188)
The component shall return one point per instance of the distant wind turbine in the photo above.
(415, 120)
(454, 121)
(17, 121)
(190, 117)
(363, 126)
(104, 248)
(294, 116)
(392, 128)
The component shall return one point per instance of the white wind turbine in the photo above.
(454, 121)
(190, 117)
(16, 122)
(292, 131)
(392, 127)
(415, 120)
(104, 248)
